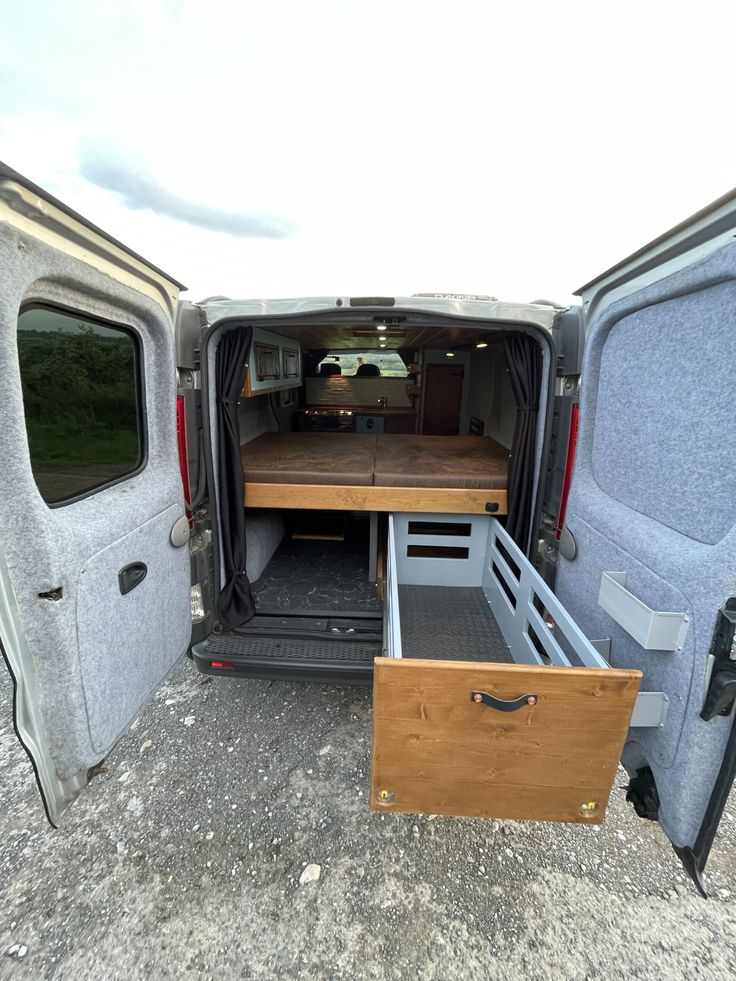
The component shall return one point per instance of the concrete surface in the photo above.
(231, 838)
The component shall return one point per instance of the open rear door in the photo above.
(649, 548)
(94, 578)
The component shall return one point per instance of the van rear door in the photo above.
(94, 578)
(649, 547)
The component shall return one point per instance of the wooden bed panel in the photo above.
(437, 751)
(342, 497)
(355, 472)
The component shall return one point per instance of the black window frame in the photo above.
(139, 376)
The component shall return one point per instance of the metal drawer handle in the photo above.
(501, 704)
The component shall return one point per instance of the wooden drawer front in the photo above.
(436, 751)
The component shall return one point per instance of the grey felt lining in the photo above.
(263, 533)
(673, 413)
(653, 496)
(94, 666)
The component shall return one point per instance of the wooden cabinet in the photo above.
(400, 422)
(274, 364)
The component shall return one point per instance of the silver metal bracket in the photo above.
(603, 647)
(650, 710)
(654, 630)
(189, 378)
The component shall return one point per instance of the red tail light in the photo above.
(181, 438)
(227, 665)
(572, 443)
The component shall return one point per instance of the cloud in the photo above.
(142, 193)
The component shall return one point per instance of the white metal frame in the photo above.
(654, 630)
(438, 571)
(515, 600)
(515, 610)
(391, 619)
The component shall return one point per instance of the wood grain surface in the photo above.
(436, 751)
(430, 500)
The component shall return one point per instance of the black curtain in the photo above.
(407, 355)
(235, 603)
(312, 359)
(524, 362)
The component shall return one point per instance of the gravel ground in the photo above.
(192, 855)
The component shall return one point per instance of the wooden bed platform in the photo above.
(350, 472)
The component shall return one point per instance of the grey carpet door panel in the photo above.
(654, 496)
(666, 413)
(120, 636)
(92, 655)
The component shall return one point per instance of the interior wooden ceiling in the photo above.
(363, 337)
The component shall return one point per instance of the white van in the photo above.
(380, 490)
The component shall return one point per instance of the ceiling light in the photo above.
(381, 327)
(482, 344)
(450, 354)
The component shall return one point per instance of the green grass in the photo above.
(54, 447)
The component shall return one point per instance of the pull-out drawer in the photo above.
(480, 709)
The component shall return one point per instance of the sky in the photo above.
(266, 149)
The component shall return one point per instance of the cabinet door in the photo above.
(290, 363)
(268, 362)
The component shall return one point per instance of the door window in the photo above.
(82, 402)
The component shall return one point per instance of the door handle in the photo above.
(503, 704)
(131, 575)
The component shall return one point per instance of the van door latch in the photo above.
(721, 694)
(131, 575)
(52, 594)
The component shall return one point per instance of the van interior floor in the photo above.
(317, 575)
(317, 616)
(449, 623)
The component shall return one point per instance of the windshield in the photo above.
(364, 364)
